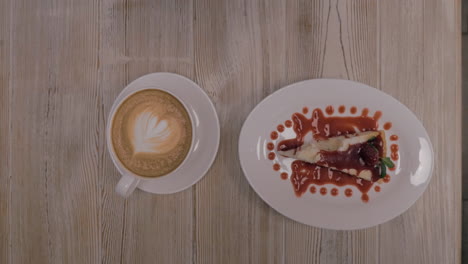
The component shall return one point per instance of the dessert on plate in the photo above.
(362, 154)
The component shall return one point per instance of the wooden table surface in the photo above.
(62, 63)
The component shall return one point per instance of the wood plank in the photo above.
(464, 17)
(140, 37)
(465, 231)
(464, 51)
(402, 77)
(239, 54)
(444, 208)
(55, 198)
(464, 62)
(332, 39)
(420, 68)
(5, 140)
(112, 79)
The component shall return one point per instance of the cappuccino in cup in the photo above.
(151, 133)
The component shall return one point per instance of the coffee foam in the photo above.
(151, 133)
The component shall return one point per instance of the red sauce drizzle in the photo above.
(270, 146)
(325, 127)
(392, 169)
(274, 135)
(387, 125)
(334, 191)
(284, 176)
(329, 110)
(377, 188)
(348, 192)
(323, 191)
(276, 167)
(313, 189)
(365, 197)
(365, 112)
(394, 155)
(280, 128)
(386, 179)
(304, 174)
(271, 156)
(377, 115)
(305, 110)
(393, 137)
(341, 109)
(288, 123)
(353, 110)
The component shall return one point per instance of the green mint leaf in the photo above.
(388, 162)
(383, 170)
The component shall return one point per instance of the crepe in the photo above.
(355, 154)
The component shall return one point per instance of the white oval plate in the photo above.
(408, 181)
(206, 132)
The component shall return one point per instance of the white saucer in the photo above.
(206, 132)
(408, 182)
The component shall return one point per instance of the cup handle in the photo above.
(126, 185)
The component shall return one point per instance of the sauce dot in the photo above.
(288, 123)
(392, 169)
(270, 146)
(377, 188)
(284, 176)
(365, 197)
(394, 147)
(334, 191)
(276, 167)
(394, 156)
(274, 135)
(393, 137)
(323, 191)
(386, 178)
(329, 110)
(377, 115)
(341, 109)
(365, 112)
(313, 189)
(280, 128)
(353, 110)
(348, 192)
(305, 110)
(271, 156)
(387, 126)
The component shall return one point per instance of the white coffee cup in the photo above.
(129, 180)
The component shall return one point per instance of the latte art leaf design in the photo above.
(150, 132)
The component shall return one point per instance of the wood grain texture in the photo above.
(465, 231)
(5, 139)
(403, 67)
(464, 17)
(112, 77)
(55, 198)
(141, 37)
(464, 59)
(64, 63)
(465, 114)
(239, 49)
